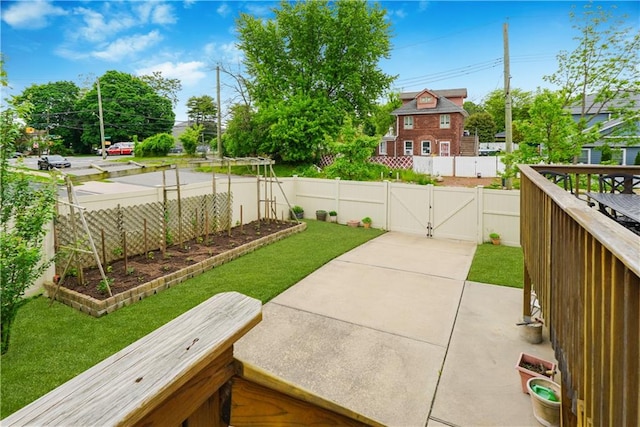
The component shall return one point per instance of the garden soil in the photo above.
(140, 269)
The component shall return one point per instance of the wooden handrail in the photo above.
(585, 269)
(129, 385)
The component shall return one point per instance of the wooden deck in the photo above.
(184, 373)
(585, 269)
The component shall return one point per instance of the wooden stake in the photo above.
(145, 238)
(179, 207)
(104, 250)
(206, 225)
(124, 248)
(230, 211)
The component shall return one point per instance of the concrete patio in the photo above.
(392, 330)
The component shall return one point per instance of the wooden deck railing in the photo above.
(585, 269)
(184, 374)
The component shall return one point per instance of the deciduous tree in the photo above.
(602, 73)
(481, 124)
(550, 125)
(25, 211)
(130, 107)
(319, 50)
(54, 110)
(163, 86)
(353, 149)
(190, 138)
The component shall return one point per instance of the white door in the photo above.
(444, 149)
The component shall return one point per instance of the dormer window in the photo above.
(426, 100)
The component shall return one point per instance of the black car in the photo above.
(53, 161)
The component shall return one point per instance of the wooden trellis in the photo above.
(143, 227)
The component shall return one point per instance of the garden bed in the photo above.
(144, 276)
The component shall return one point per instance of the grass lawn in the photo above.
(497, 265)
(50, 345)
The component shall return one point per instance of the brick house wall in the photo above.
(425, 109)
(427, 128)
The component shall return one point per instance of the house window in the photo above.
(382, 148)
(585, 156)
(408, 122)
(444, 149)
(426, 148)
(425, 99)
(445, 121)
(408, 148)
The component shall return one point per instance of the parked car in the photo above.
(120, 148)
(53, 161)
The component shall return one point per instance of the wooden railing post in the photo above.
(526, 296)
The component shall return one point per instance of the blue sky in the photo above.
(436, 44)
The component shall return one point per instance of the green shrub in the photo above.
(155, 146)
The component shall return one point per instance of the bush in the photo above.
(637, 160)
(155, 146)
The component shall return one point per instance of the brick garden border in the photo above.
(98, 308)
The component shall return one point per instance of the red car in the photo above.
(120, 148)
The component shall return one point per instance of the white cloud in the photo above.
(97, 28)
(31, 15)
(223, 10)
(423, 5)
(258, 10)
(127, 46)
(163, 14)
(224, 52)
(189, 73)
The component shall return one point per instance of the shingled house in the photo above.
(430, 122)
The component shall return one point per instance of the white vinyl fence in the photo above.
(486, 166)
(468, 214)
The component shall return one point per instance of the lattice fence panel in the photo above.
(143, 225)
(404, 162)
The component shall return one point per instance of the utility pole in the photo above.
(507, 99)
(219, 136)
(103, 152)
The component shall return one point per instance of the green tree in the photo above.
(190, 138)
(155, 146)
(299, 128)
(316, 50)
(520, 102)
(381, 120)
(163, 86)
(130, 107)
(25, 211)
(601, 74)
(354, 149)
(481, 124)
(550, 125)
(202, 110)
(472, 108)
(54, 110)
(245, 132)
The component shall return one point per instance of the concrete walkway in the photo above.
(391, 330)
